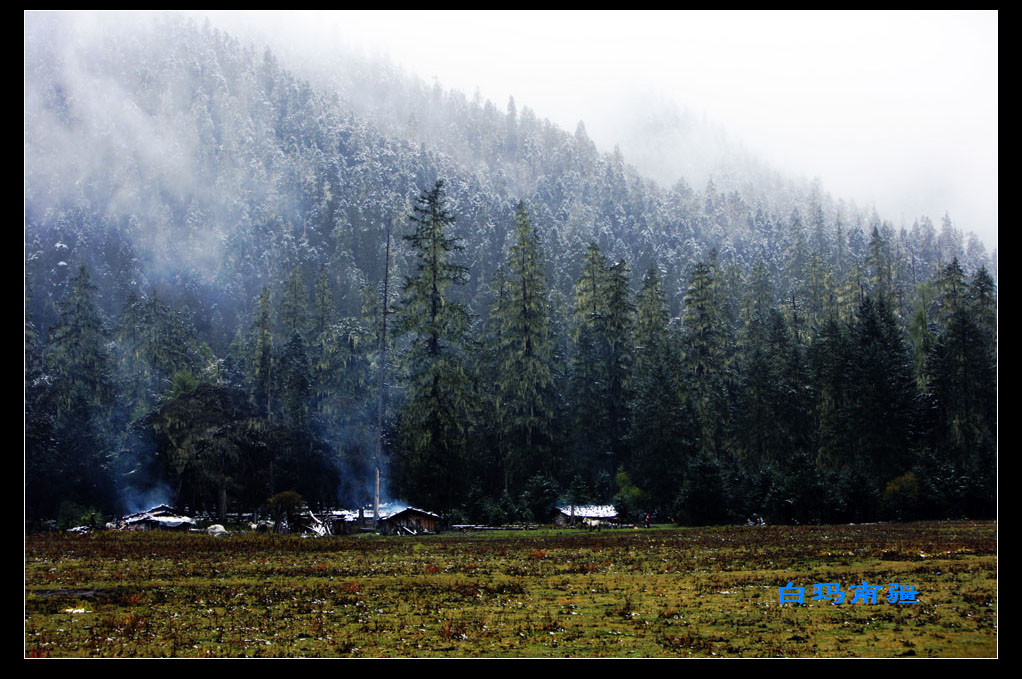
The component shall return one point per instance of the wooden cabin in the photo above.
(409, 521)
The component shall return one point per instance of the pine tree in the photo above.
(883, 405)
(602, 361)
(589, 301)
(983, 303)
(829, 360)
(489, 465)
(920, 331)
(588, 369)
(949, 242)
(40, 450)
(705, 356)
(759, 397)
(816, 291)
(661, 424)
(293, 369)
(154, 343)
(952, 292)
(524, 375)
(880, 276)
(435, 420)
(795, 260)
(618, 328)
(82, 393)
(851, 291)
(962, 376)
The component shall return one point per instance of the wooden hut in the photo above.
(408, 521)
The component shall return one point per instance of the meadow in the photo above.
(658, 592)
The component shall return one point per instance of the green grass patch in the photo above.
(620, 593)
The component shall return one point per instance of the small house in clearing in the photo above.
(586, 515)
(394, 519)
(160, 517)
(408, 521)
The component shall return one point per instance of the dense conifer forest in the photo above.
(207, 237)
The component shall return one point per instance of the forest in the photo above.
(229, 268)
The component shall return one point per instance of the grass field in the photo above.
(673, 592)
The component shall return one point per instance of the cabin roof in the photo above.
(388, 511)
(162, 515)
(590, 511)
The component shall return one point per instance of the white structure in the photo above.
(571, 515)
(159, 517)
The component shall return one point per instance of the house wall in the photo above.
(415, 522)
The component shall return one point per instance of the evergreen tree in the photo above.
(434, 423)
(588, 369)
(851, 291)
(758, 433)
(154, 343)
(523, 352)
(817, 277)
(295, 390)
(602, 362)
(40, 445)
(662, 427)
(78, 460)
(983, 303)
(705, 356)
(589, 290)
(618, 328)
(949, 242)
(952, 293)
(962, 415)
(829, 359)
(881, 277)
(921, 331)
(883, 406)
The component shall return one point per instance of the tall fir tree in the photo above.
(983, 303)
(952, 292)
(293, 370)
(82, 392)
(435, 422)
(591, 444)
(706, 357)
(661, 423)
(524, 374)
(602, 361)
(884, 404)
(962, 378)
(617, 327)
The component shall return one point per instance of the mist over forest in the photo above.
(209, 228)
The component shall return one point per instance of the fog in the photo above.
(175, 163)
(896, 110)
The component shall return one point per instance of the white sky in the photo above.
(892, 109)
